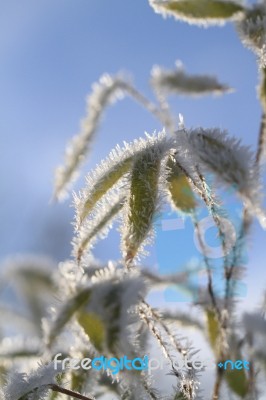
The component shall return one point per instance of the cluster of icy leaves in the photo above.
(108, 90)
(34, 386)
(132, 182)
(108, 186)
(108, 288)
(232, 163)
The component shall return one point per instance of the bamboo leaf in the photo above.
(199, 12)
(142, 201)
(110, 171)
(99, 224)
(32, 277)
(252, 31)
(178, 81)
(232, 163)
(35, 385)
(179, 188)
(100, 187)
(104, 93)
(66, 313)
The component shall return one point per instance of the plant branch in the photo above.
(261, 140)
(217, 385)
(59, 389)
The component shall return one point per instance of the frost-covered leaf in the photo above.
(104, 304)
(99, 223)
(110, 171)
(252, 31)
(231, 162)
(33, 386)
(182, 319)
(199, 12)
(142, 201)
(179, 188)
(113, 296)
(32, 276)
(66, 312)
(178, 81)
(98, 188)
(105, 92)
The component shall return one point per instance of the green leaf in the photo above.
(67, 311)
(106, 182)
(142, 202)
(179, 188)
(213, 328)
(199, 11)
(94, 229)
(93, 327)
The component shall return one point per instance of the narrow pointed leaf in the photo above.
(252, 31)
(232, 163)
(106, 182)
(104, 93)
(179, 188)
(142, 201)
(178, 81)
(66, 313)
(99, 224)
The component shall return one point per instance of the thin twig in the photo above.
(208, 267)
(69, 392)
(261, 140)
(140, 98)
(218, 384)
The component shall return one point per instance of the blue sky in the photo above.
(51, 52)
